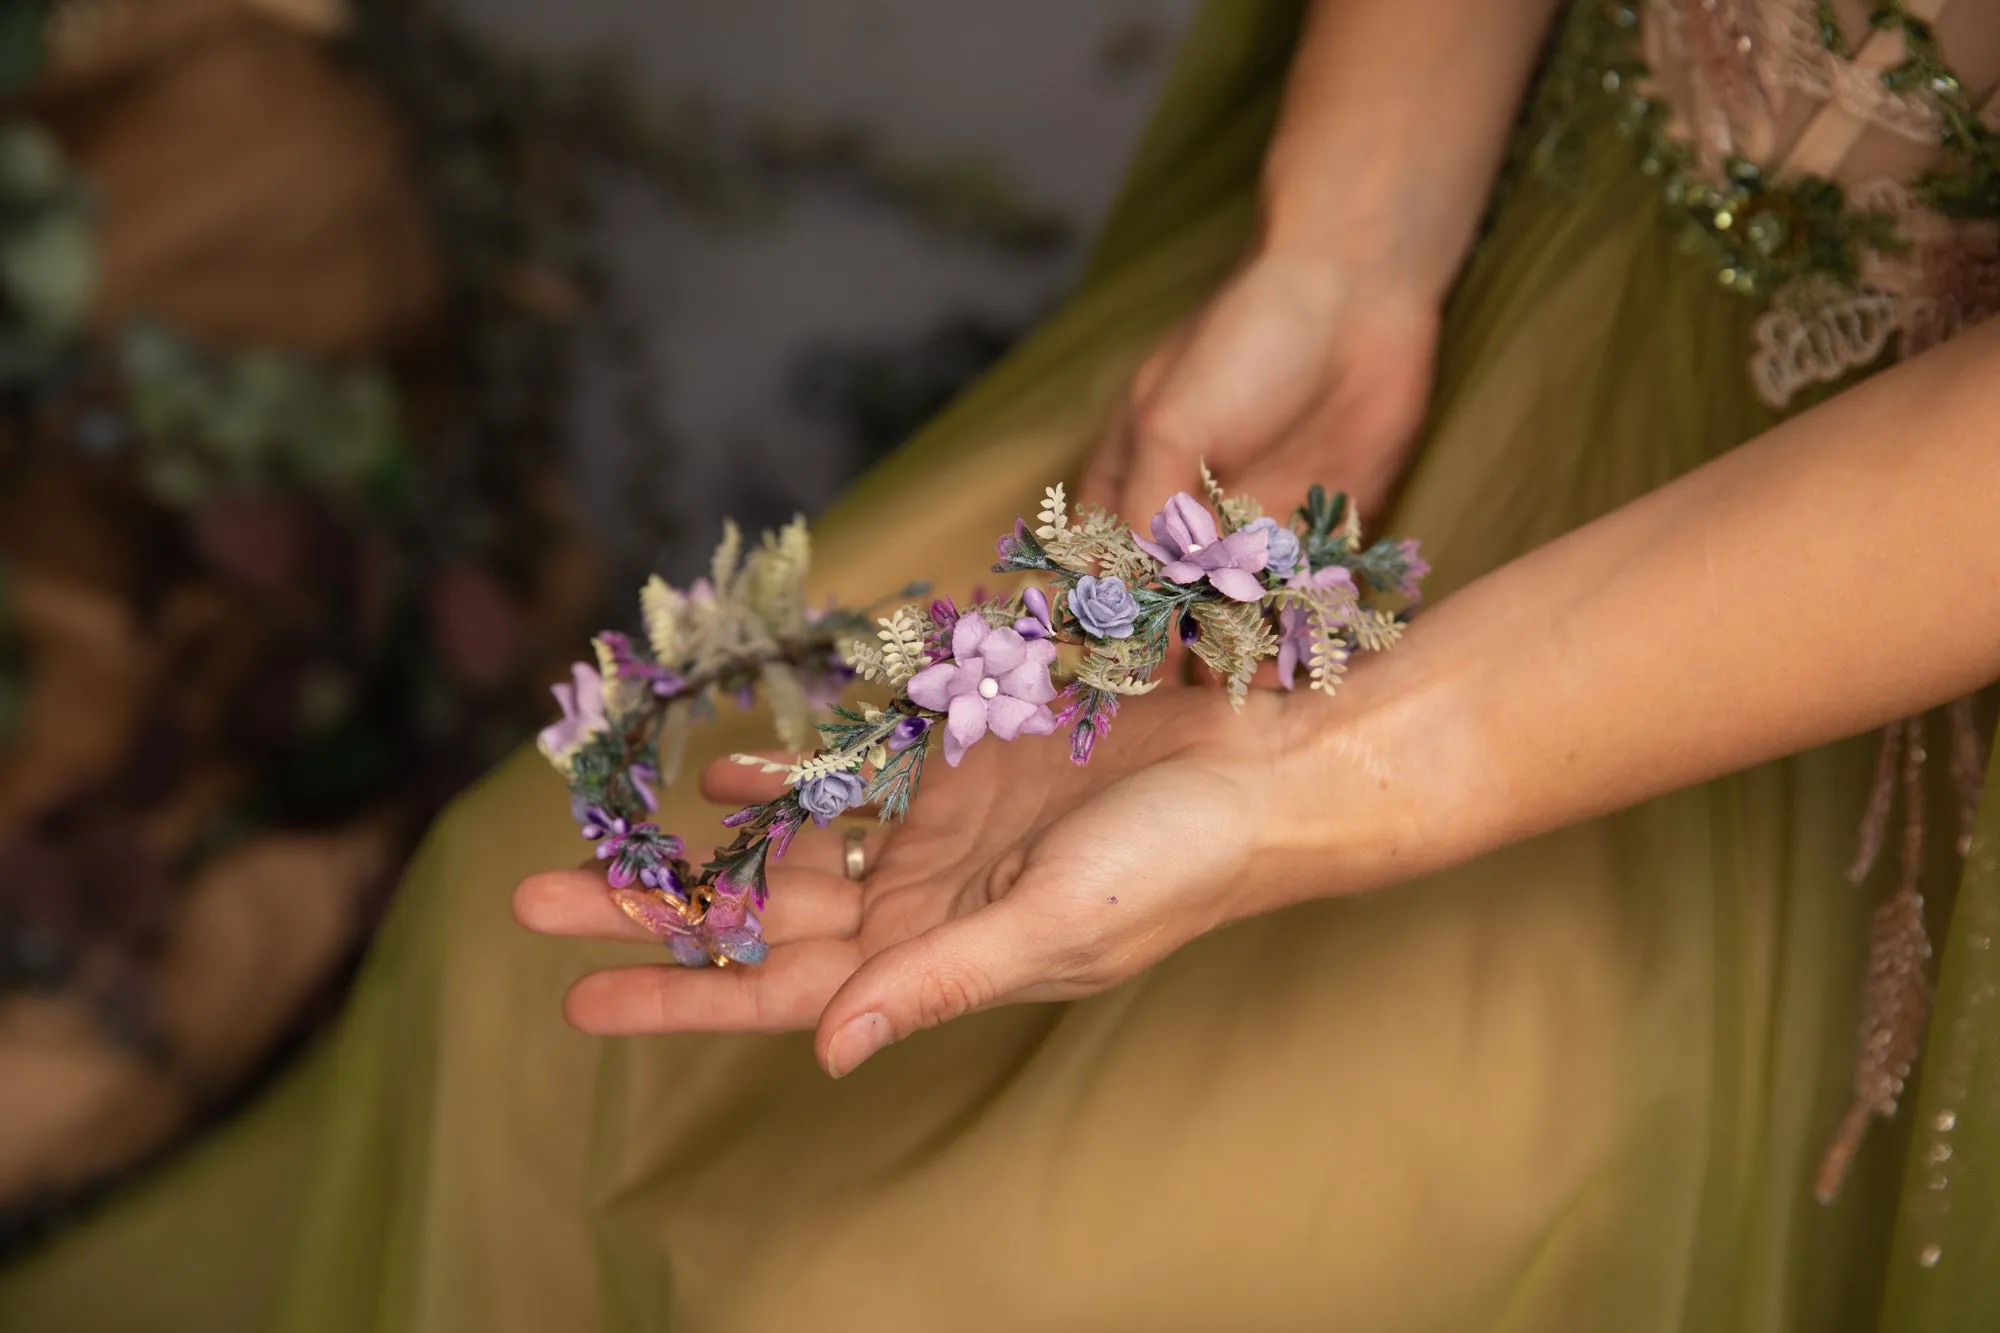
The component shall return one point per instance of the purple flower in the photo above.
(831, 794)
(643, 853)
(1283, 546)
(630, 665)
(1036, 624)
(583, 711)
(907, 733)
(1415, 567)
(1104, 607)
(1295, 633)
(1190, 549)
(997, 681)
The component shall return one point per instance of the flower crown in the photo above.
(1235, 586)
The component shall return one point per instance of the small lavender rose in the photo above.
(831, 794)
(1104, 607)
(1283, 547)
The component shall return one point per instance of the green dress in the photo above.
(1581, 1084)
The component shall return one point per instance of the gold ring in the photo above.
(856, 861)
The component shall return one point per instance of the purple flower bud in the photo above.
(1190, 629)
(1037, 603)
(907, 733)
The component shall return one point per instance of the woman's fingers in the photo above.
(784, 993)
(805, 905)
(958, 967)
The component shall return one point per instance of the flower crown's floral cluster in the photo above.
(1236, 587)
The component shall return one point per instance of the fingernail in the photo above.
(857, 1039)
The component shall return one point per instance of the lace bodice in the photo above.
(1838, 158)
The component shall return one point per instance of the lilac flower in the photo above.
(1088, 713)
(1415, 567)
(1104, 607)
(997, 681)
(1295, 633)
(1036, 624)
(831, 794)
(643, 853)
(583, 711)
(1190, 549)
(1284, 546)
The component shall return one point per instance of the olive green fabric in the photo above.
(1579, 1085)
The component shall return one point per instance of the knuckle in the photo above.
(944, 994)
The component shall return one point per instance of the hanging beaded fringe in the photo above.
(1896, 999)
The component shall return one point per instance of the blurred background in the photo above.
(356, 359)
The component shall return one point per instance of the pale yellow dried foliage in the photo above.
(1115, 668)
(675, 725)
(1237, 511)
(660, 608)
(772, 584)
(1234, 639)
(1376, 631)
(791, 712)
(901, 652)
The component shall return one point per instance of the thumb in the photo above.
(953, 969)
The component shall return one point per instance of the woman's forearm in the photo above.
(1394, 123)
(1834, 574)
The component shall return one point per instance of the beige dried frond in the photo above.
(1234, 640)
(865, 658)
(774, 579)
(839, 761)
(1239, 511)
(1112, 671)
(902, 636)
(675, 725)
(1095, 521)
(1210, 487)
(660, 609)
(791, 712)
(728, 557)
(1054, 514)
(1376, 631)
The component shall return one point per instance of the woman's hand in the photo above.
(1017, 877)
(1302, 369)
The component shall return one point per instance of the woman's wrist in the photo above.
(1383, 782)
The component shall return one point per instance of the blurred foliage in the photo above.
(47, 264)
(212, 425)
